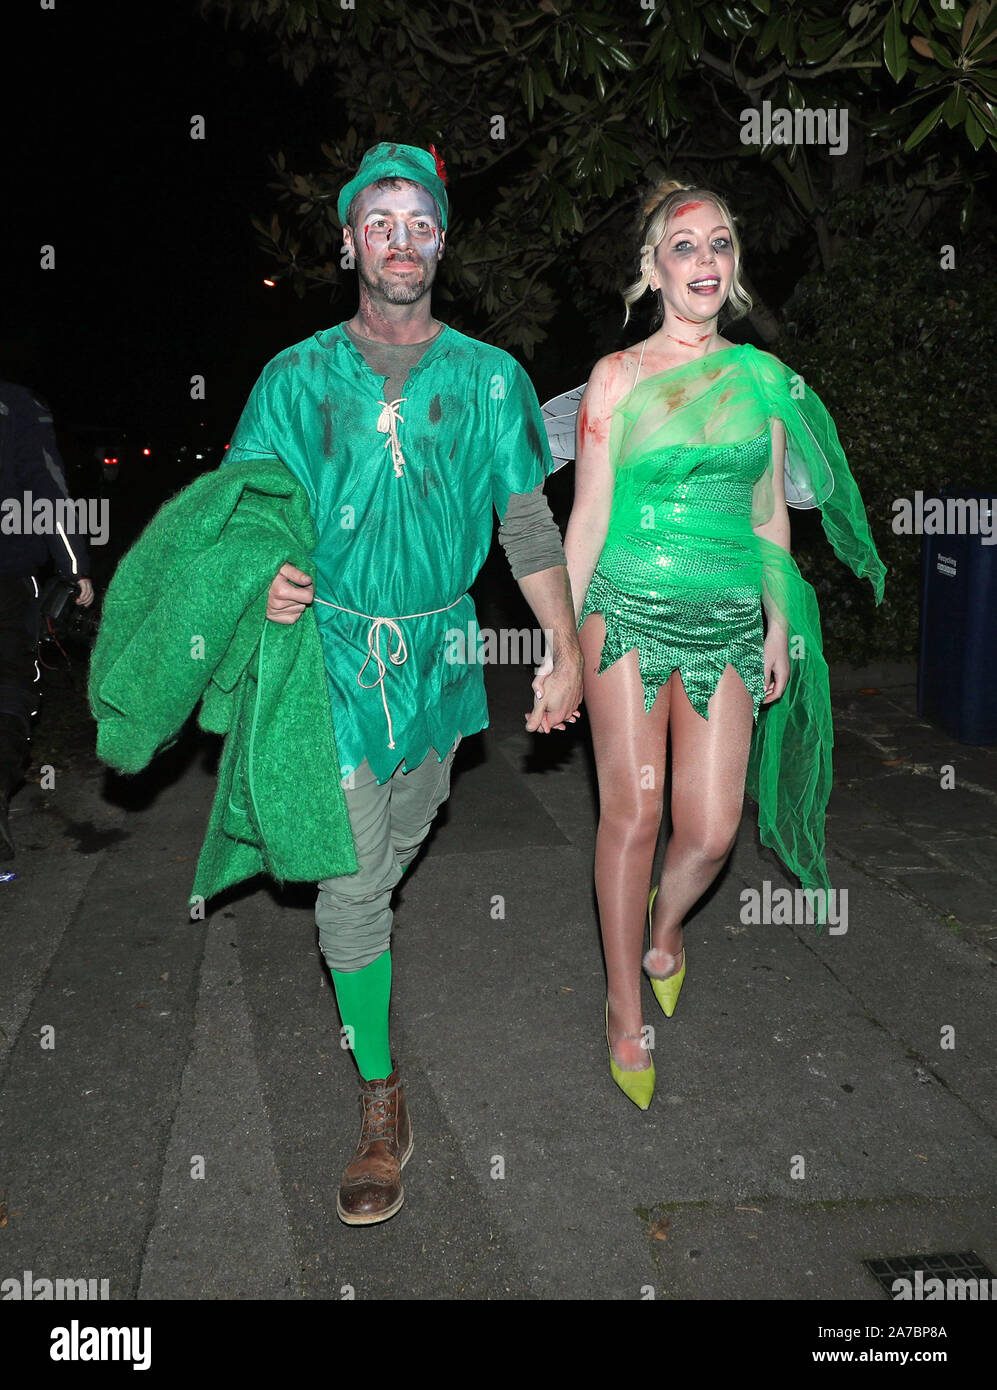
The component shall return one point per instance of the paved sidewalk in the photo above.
(912, 807)
(810, 1111)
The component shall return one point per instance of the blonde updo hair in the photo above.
(656, 213)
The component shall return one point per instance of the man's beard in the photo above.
(407, 291)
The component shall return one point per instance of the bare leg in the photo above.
(629, 745)
(709, 763)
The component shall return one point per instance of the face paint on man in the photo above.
(402, 244)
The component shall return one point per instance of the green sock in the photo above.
(363, 997)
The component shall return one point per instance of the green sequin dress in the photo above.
(683, 575)
(642, 582)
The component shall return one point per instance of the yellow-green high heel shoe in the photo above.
(665, 991)
(637, 1086)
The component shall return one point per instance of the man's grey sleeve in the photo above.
(529, 534)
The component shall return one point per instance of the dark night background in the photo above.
(157, 274)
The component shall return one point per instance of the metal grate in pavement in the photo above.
(919, 1269)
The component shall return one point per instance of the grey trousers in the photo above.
(389, 823)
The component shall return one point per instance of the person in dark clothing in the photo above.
(37, 522)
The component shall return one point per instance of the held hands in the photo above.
(289, 594)
(775, 655)
(558, 690)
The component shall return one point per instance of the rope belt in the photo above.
(396, 657)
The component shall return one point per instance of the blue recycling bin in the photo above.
(957, 670)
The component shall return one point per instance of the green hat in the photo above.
(398, 162)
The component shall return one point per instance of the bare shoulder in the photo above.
(611, 378)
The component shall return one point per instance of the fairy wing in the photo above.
(798, 483)
(559, 416)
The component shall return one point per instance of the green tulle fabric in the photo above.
(683, 575)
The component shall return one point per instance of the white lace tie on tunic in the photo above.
(388, 424)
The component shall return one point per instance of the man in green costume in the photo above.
(405, 435)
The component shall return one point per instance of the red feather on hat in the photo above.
(441, 168)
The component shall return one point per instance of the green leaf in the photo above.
(818, 50)
(969, 24)
(526, 88)
(623, 60)
(720, 25)
(946, 16)
(925, 127)
(856, 15)
(682, 20)
(984, 113)
(986, 84)
(954, 109)
(739, 17)
(980, 43)
(769, 35)
(974, 130)
(894, 47)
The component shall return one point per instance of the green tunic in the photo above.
(402, 496)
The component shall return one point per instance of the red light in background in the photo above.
(270, 283)
(228, 446)
(146, 452)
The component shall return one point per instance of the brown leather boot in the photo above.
(371, 1189)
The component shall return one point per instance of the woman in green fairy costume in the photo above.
(694, 619)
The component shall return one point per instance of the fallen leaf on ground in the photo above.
(659, 1229)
